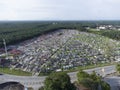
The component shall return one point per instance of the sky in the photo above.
(59, 10)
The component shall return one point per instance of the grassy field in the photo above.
(14, 72)
(94, 66)
(90, 67)
(81, 68)
(113, 34)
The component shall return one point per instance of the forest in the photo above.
(16, 31)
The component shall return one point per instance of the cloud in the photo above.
(24, 9)
(59, 9)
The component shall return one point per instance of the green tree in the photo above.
(92, 81)
(104, 85)
(88, 83)
(42, 88)
(81, 75)
(58, 81)
(118, 67)
(95, 77)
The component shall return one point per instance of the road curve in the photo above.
(37, 82)
(98, 70)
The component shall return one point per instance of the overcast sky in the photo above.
(59, 9)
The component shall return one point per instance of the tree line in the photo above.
(61, 81)
(113, 34)
(14, 32)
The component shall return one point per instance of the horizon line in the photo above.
(58, 20)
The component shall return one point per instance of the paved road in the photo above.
(99, 70)
(37, 82)
(30, 81)
(114, 82)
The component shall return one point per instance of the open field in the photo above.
(113, 34)
(14, 72)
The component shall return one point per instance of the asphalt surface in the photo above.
(27, 81)
(37, 82)
(114, 82)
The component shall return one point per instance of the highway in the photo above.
(36, 82)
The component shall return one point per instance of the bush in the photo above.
(58, 81)
(92, 81)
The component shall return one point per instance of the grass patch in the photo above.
(113, 34)
(80, 68)
(95, 66)
(89, 67)
(14, 72)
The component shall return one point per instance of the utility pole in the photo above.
(4, 42)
